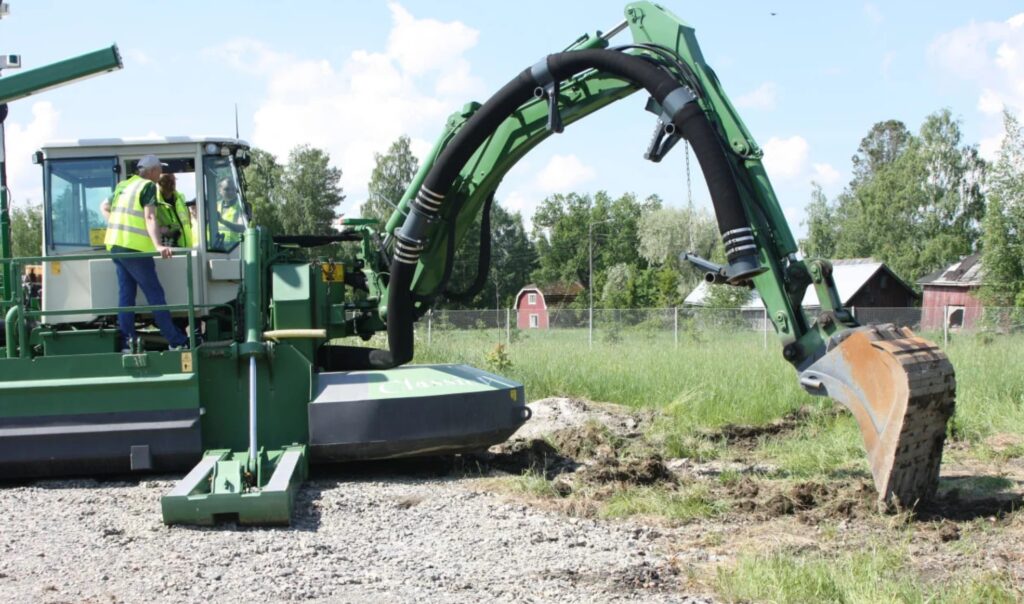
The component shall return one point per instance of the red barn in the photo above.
(949, 295)
(533, 303)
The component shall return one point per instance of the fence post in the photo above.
(945, 326)
(764, 327)
(675, 325)
(508, 327)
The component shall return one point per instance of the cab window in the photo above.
(225, 211)
(73, 192)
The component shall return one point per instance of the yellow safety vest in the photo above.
(176, 217)
(127, 225)
(230, 215)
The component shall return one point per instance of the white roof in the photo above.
(849, 275)
(126, 141)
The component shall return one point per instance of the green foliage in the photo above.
(1003, 242)
(311, 192)
(721, 296)
(915, 201)
(263, 189)
(821, 227)
(27, 230)
(497, 360)
(392, 173)
(687, 503)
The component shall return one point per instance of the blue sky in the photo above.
(353, 76)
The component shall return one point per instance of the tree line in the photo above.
(916, 201)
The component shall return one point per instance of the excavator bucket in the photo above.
(902, 390)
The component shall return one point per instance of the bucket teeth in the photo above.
(902, 391)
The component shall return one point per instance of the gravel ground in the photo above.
(366, 538)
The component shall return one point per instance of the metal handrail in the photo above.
(22, 314)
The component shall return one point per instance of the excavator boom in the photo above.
(900, 388)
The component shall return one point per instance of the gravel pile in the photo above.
(364, 538)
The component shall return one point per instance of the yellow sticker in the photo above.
(513, 393)
(55, 268)
(332, 273)
(186, 362)
(97, 236)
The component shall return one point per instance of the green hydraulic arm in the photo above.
(900, 388)
(34, 81)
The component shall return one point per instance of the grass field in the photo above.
(717, 379)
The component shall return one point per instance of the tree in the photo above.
(821, 227)
(1003, 274)
(311, 192)
(263, 178)
(915, 202)
(665, 234)
(391, 176)
(27, 230)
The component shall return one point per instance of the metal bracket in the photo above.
(548, 88)
(665, 135)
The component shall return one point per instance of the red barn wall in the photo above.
(938, 297)
(524, 309)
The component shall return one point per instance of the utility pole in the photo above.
(590, 279)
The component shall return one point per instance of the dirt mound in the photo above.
(551, 415)
(528, 455)
(739, 434)
(643, 471)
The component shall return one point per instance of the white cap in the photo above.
(149, 161)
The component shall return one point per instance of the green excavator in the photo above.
(274, 377)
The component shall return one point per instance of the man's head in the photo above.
(150, 167)
(226, 190)
(168, 184)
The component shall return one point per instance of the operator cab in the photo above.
(78, 176)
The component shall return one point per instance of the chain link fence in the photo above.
(684, 324)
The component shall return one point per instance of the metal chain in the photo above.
(689, 187)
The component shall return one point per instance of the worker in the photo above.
(230, 225)
(132, 227)
(172, 215)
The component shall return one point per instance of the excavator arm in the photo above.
(900, 388)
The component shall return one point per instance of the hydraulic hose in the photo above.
(483, 264)
(685, 116)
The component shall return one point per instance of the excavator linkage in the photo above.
(902, 391)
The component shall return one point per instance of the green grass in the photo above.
(690, 502)
(873, 575)
(721, 379)
(826, 445)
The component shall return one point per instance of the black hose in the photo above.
(483, 263)
(424, 208)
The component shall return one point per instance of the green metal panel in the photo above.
(95, 383)
(284, 390)
(83, 341)
(293, 302)
(32, 81)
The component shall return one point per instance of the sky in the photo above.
(808, 79)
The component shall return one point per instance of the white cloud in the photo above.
(23, 139)
(873, 13)
(990, 145)
(887, 60)
(785, 158)
(762, 97)
(991, 55)
(826, 175)
(358, 106)
(562, 173)
(135, 55)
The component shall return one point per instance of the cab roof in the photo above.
(85, 143)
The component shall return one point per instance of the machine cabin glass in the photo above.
(226, 218)
(73, 192)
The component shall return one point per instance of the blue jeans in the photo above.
(133, 273)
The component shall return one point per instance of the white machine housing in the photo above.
(79, 175)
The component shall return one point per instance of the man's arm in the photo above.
(154, 230)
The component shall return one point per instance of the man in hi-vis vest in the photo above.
(132, 227)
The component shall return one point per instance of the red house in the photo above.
(949, 295)
(533, 303)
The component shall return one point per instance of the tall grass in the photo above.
(704, 384)
(719, 378)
